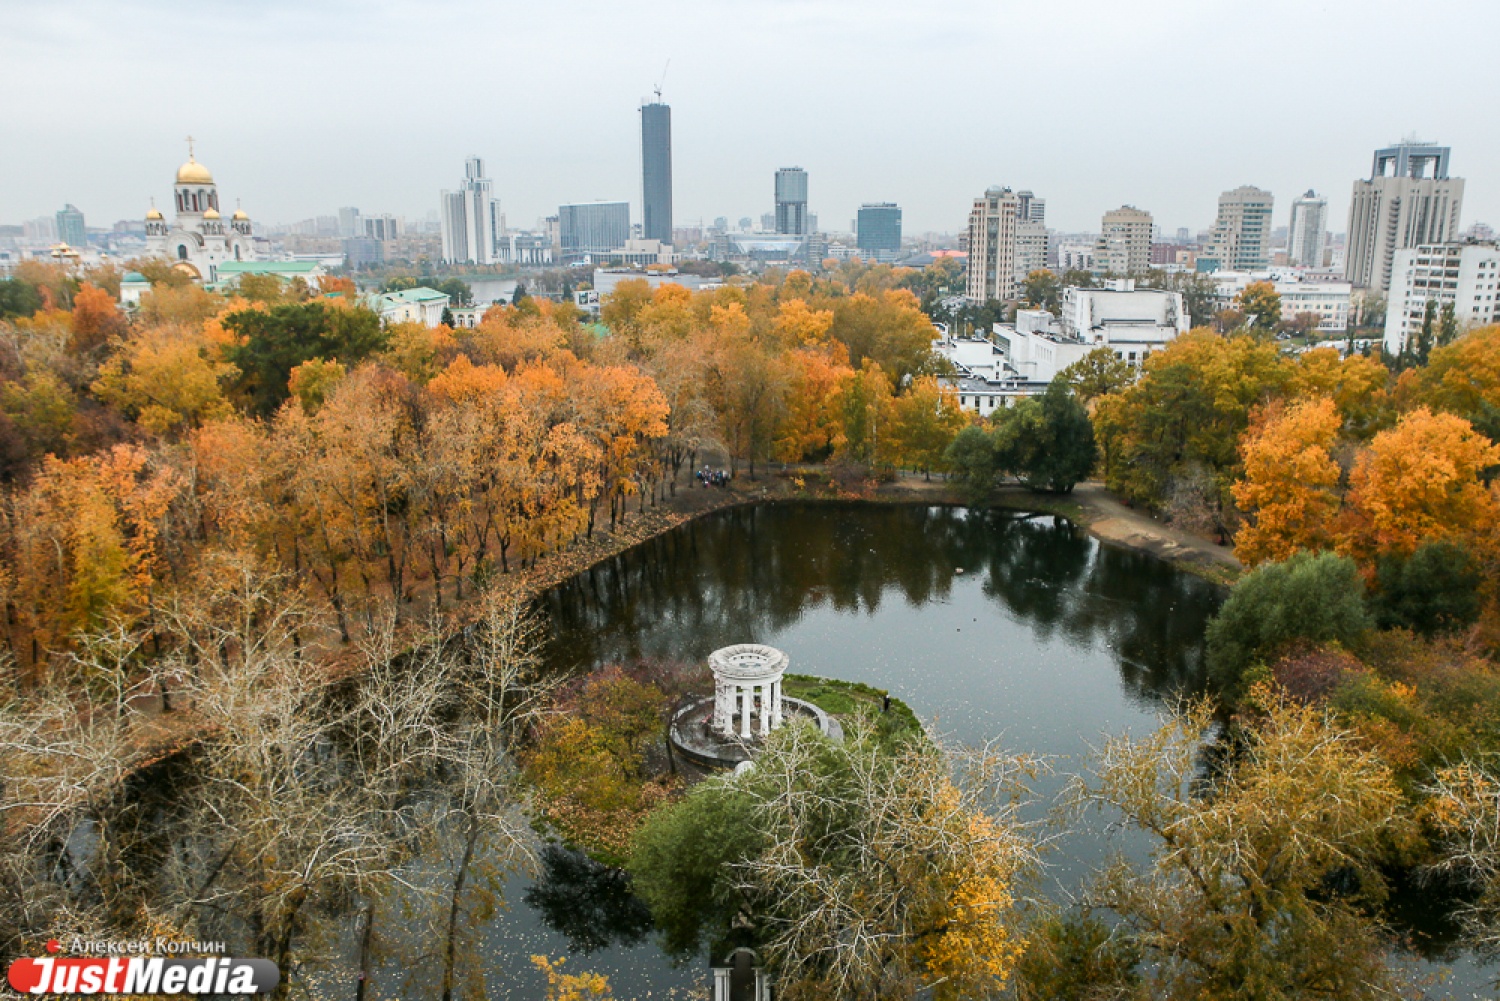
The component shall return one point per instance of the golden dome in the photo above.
(210, 213)
(154, 214)
(239, 215)
(193, 172)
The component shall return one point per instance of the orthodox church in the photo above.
(198, 240)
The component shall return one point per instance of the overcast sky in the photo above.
(302, 107)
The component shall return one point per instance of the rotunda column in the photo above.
(745, 695)
(776, 703)
(722, 707)
(765, 709)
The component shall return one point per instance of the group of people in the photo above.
(712, 477)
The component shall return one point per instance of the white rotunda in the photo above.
(747, 689)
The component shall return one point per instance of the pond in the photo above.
(989, 624)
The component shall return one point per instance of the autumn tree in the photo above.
(1188, 409)
(868, 872)
(813, 425)
(1465, 812)
(924, 421)
(888, 329)
(165, 378)
(97, 321)
(1356, 384)
(621, 310)
(747, 389)
(1419, 481)
(866, 407)
(1261, 305)
(1099, 373)
(1290, 489)
(1463, 378)
(1043, 291)
(1259, 888)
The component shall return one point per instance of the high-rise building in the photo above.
(1031, 208)
(878, 228)
(1241, 238)
(1308, 231)
(1031, 247)
(349, 223)
(382, 227)
(1409, 200)
(70, 229)
(593, 227)
(656, 172)
(791, 201)
(992, 246)
(468, 218)
(1461, 277)
(1124, 245)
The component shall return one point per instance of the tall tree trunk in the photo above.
(450, 950)
(364, 953)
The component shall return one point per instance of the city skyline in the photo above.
(727, 137)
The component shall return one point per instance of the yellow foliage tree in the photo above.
(572, 986)
(1419, 481)
(1290, 489)
(165, 379)
(1357, 386)
(1463, 377)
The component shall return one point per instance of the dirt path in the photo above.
(1114, 522)
(1093, 507)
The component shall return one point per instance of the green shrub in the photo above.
(1313, 598)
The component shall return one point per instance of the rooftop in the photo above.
(269, 267)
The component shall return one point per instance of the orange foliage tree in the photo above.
(1419, 481)
(1290, 487)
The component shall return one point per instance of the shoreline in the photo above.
(165, 735)
(1090, 506)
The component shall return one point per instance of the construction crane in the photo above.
(661, 80)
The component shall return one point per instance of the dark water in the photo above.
(989, 624)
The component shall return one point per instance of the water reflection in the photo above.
(588, 903)
(754, 573)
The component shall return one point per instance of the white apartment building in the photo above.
(1132, 321)
(1408, 201)
(1309, 230)
(1241, 238)
(1464, 274)
(1124, 246)
(468, 218)
(1019, 359)
(992, 246)
(1031, 248)
(1300, 293)
(1075, 257)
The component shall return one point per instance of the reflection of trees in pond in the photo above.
(587, 902)
(745, 574)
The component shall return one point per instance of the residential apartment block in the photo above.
(1241, 237)
(1465, 275)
